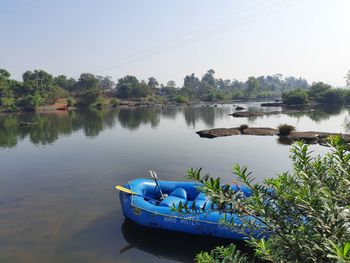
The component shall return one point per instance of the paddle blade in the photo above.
(126, 190)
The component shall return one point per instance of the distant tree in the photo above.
(347, 79)
(252, 86)
(153, 83)
(29, 102)
(87, 86)
(63, 82)
(191, 85)
(5, 83)
(106, 83)
(4, 74)
(295, 97)
(125, 85)
(333, 96)
(317, 91)
(209, 77)
(171, 84)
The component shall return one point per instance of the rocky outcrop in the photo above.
(220, 132)
(271, 104)
(260, 131)
(309, 137)
(245, 114)
(240, 108)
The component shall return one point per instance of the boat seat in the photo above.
(179, 192)
(174, 198)
(201, 200)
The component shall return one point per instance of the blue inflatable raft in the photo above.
(146, 208)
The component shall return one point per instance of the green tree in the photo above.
(209, 77)
(347, 79)
(295, 97)
(333, 96)
(318, 90)
(252, 86)
(63, 82)
(87, 87)
(305, 213)
(153, 83)
(29, 102)
(5, 83)
(125, 85)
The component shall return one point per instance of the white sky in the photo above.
(170, 39)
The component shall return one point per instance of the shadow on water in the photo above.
(167, 244)
(102, 237)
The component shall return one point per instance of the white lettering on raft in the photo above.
(187, 221)
(169, 219)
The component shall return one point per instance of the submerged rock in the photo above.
(260, 131)
(244, 114)
(219, 132)
(271, 104)
(240, 108)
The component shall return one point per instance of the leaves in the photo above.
(306, 213)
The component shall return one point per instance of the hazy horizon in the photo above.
(168, 40)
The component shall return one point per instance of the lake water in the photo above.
(57, 196)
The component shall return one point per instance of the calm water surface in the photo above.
(57, 198)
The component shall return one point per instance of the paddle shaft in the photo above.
(128, 191)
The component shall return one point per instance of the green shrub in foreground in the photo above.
(305, 212)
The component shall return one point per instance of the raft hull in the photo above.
(142, 212)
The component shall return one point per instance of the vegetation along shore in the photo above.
(39, 90)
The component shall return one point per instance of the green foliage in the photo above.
(228, 254)
(318, 90)
(243, 127)
(29, 102)
(305, 213)
(181, 99)
(252, 86)
(8, 104)
(114, 102)
(333, 96)
(347, 79)
(71, 102)
(295, 97)
(285, 129)
(99, 103)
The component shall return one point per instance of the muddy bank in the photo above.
(309, 137)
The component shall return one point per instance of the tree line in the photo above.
(39, 87)
(318, 92)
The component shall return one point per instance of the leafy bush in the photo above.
(222, 254)
(243, 127)
(295, 97)
(71, 102)
(285, 129)
(181, 99)
(29, 102)
(99, 103)
(8, 104)
(333, 96)
(114, 102)
(305, 213)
